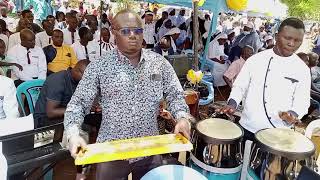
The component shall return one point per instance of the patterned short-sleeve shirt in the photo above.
(130, 96)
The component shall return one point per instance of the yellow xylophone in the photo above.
(133, 148)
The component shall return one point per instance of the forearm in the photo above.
(228, 81)
(73, 119)
(6, 64)
(56, 113)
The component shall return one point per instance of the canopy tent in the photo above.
(208, 4)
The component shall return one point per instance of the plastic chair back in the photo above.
(31, 89)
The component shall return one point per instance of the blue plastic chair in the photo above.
(31, 89)
(210, 97)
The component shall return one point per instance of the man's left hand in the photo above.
(288, 118)
(183, 126)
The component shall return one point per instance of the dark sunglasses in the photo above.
(128, 31)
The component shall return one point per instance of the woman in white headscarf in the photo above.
(217, 59)
(165, 28)
(174, 34)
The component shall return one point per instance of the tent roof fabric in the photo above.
(208, 5)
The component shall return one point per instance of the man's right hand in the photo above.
(76, 143)
(227, 110)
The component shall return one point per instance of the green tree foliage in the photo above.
(304, 9)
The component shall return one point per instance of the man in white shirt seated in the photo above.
(8, 100)
(149, 29)
(29, 15)
(11, 23)
(43, 38)
(275, 83)
(30, 57)
(86, 48)
(14, 39)
(70, 34)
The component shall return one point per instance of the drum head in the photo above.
(219, 131)
(285, 142)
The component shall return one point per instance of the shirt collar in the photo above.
(124, 59)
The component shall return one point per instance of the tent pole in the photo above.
(195, 35)
(212, 30)
(100, 27)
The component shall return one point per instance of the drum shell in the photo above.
(216, 141)
(271, 165)
(229, 150)
(288, 155)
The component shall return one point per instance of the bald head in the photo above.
(27, 38)
(126, 17)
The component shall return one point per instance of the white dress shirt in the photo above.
(67, 36)
(8, 100)
(36, 68)
(271, 84)
(14, 39)
(43, 39)
(149, 33)
(93, 50)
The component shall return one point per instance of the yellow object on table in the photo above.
(133, 148)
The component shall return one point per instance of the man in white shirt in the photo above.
(30, 57)
(11, 23)
(275, 82)
(149, 29)
(70, 34)
(43, 38)
(86, 48)
(8, 100)
(92, 24)
(14, 39)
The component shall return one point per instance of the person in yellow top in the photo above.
(58, 55)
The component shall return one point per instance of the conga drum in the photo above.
(192, 100)
(217, 150)
(279, 154)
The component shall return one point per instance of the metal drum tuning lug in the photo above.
(256, 163)
(239, 158)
